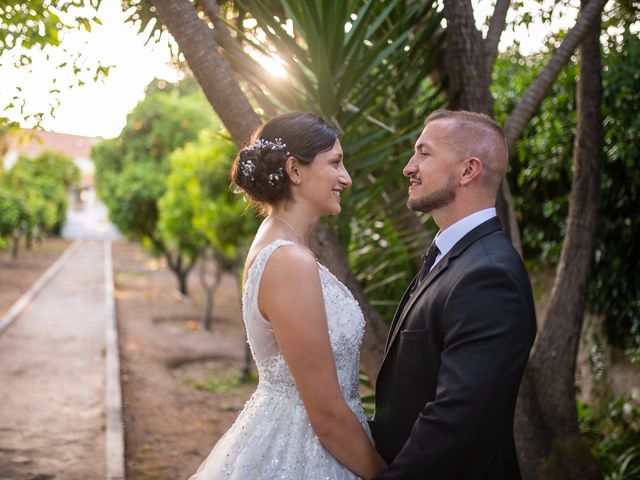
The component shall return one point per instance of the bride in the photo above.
(304, 420)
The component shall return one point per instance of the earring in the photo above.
(297, 181)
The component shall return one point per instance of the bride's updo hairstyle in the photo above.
(259, 168)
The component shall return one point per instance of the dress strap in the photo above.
(257, 267)
(259, 332)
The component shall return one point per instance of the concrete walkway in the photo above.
(52, 376)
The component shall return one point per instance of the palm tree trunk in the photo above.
(200, 49)
(548, 400)
(221, 88)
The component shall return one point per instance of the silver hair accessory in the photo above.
(275, 145)
(247, 167)
(276, 177)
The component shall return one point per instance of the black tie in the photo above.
(427, 262)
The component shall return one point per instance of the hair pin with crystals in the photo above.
(275, 145)
(247, 167)
(276, 177)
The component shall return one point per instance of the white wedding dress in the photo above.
(272, 437)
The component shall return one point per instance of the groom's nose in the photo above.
(410, 168)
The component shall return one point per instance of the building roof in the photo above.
(76, 146)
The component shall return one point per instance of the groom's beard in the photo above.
(434, 200)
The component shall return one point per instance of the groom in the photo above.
(461, 336)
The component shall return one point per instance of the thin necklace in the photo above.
(292, 229)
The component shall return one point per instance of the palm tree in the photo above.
(354, 63)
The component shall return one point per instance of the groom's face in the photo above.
(432, 171)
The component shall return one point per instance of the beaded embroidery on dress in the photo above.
(272, 437)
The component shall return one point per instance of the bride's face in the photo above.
(323, 181)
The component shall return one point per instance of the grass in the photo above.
(225, 379)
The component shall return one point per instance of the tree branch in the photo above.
(537, 91)
(496, 27)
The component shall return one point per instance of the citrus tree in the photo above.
(40, 191)
(198, 205)
(132, 169)
(11, 213)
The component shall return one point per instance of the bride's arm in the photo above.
(290, 297)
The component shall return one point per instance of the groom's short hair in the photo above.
(478, 135)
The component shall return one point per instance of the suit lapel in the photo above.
(405, 305)
(398, 312)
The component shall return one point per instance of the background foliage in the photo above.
(540, 177)
(132, 169)
(34, 196)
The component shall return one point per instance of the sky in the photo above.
(95, 109)
(100, 109)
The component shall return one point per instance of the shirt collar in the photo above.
(447, 238)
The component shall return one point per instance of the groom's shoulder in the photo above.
(497, 253)
(494, 251)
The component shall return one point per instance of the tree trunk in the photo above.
(538, 90)
(469, 76)
(496, 27)
(465, 60)
(209, 282)
(207, 318)
(180, 270)
(221, 88)
(182, 282)
(16, 247)
(469, 89)
(545, 419)
(326, 246)
(548, 398)
(245, 373)
(200, 49)
(245, 370)
(531, 100)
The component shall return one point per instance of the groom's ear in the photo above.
(471, 169)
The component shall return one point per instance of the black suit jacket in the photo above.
(447, 387)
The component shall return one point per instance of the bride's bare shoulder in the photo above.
(292, 255)
(290, 262)
(287, 256)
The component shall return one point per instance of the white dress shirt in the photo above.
(447, 238)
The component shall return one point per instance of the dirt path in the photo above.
(52, 366)
(16, 276)
(170, 423)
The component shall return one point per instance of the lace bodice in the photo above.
(344, 319)
(272, 437)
